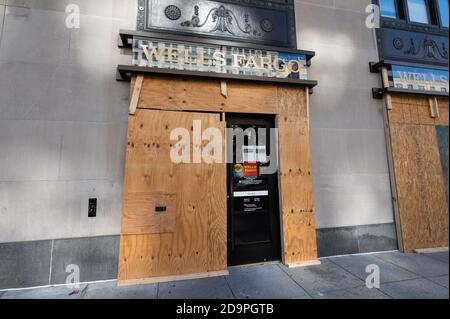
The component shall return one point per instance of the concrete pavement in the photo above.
(402, 276)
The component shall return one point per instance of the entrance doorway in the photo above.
(253, 204)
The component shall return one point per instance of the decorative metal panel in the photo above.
(401, 45)
(260, 22)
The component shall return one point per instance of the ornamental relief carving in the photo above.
(413, 47)
(427, 48)
(224, 20)
(267, 22)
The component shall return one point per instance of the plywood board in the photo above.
(422, 198)
(414, 109)
(198, 242)
(140, 216)
(177, 93)
(298, 216)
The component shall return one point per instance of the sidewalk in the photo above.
(403, 276)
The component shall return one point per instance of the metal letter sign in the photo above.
(218, 59)
(418, 79)
(269, 22)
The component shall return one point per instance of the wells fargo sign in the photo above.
(218, 59)
(419, 79)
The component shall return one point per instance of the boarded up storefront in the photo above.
(175, 215)
(419, 140)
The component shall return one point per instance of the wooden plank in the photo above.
(292, 104)
(392, 178)
(245, 97)
(136, 94)
(154, 280)
(422, 196)
(305, 264)
(298, 217)
(176, 93)
(140, 217)
(408, 109)
(431, 250)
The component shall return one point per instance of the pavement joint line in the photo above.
(342, 289)
(420, 276)
(428, 278)
(84, 291)
(433, 258)
(362, 254)
(229, 287)
(56, 286)
(393, 282)
(384, 292)
(157, 290)
(349, 288)
(396, 281)
(51, 263)
(295, 281)
(3, 25)
(348, 271)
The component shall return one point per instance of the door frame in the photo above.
(275, 187)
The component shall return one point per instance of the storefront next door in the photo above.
(253, 209)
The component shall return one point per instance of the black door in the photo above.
(253, 210)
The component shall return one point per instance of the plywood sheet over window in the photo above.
(189, 235)
(419, 171)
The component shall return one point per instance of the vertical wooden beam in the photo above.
(392, 177)
(297, 207)
(434, 107)
(385, 76)
(136, 94)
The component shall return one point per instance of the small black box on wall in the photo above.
(92, 210)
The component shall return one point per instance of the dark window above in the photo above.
(443, 12)
(418, 11)
(388, 8)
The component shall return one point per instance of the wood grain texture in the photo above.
(298, 218)
(177, 93)
(408, 109)
(419, 177)
(422, 197)
(140, 217)
(200, 229)
(136, 94)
